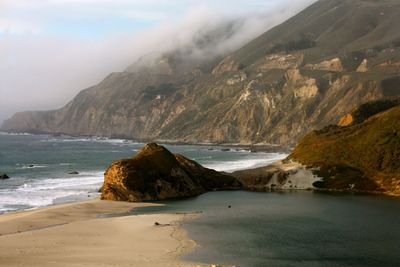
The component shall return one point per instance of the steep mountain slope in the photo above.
(303, 74)
(364, 155)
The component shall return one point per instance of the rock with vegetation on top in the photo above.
(156, 174)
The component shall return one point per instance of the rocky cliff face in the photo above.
(301, 75)
(156, 174)
(364, 155)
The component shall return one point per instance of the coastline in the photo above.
(36, 172)
(102, 233)
(281, 176)
(252, 147)
(93, 233)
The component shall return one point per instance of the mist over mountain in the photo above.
(51, 68)
(303, 74)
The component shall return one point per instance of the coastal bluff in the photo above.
(157, 174)
(361, 154)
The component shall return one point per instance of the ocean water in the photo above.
(291, 229)
(39, 165)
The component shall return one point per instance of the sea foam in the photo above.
(45, 192)
(236, 165)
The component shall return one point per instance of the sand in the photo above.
(79, 234)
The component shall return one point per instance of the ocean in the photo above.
(39, 166)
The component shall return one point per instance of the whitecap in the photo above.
(43, 192)
(243, 164)
(32, 166)
(5, 133)
(201, 158)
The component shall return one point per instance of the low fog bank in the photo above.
(45, 72)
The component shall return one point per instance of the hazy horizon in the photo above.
(55, 48)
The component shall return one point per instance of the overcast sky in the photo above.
(52, 49)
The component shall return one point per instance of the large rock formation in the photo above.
(156, 174)
(301, 75)
(362, 156)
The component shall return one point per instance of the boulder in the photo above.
(156, 174)
(4, 176)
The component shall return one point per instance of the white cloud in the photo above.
(8, 26)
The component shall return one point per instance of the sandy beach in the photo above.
(81, 234)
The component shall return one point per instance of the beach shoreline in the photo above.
(93, 233)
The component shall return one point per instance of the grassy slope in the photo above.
(365, 154)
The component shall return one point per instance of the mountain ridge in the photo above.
(299, 76)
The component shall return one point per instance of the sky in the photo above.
(52, 49)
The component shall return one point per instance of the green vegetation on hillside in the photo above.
(363, 156)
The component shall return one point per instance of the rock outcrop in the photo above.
(157, 174)
(334, 65)
(369, 109)
(4, 176)
(280, 175)
(363, 66)
(299, 76)
(363, 155)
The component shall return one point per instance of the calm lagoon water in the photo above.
(291, 229)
